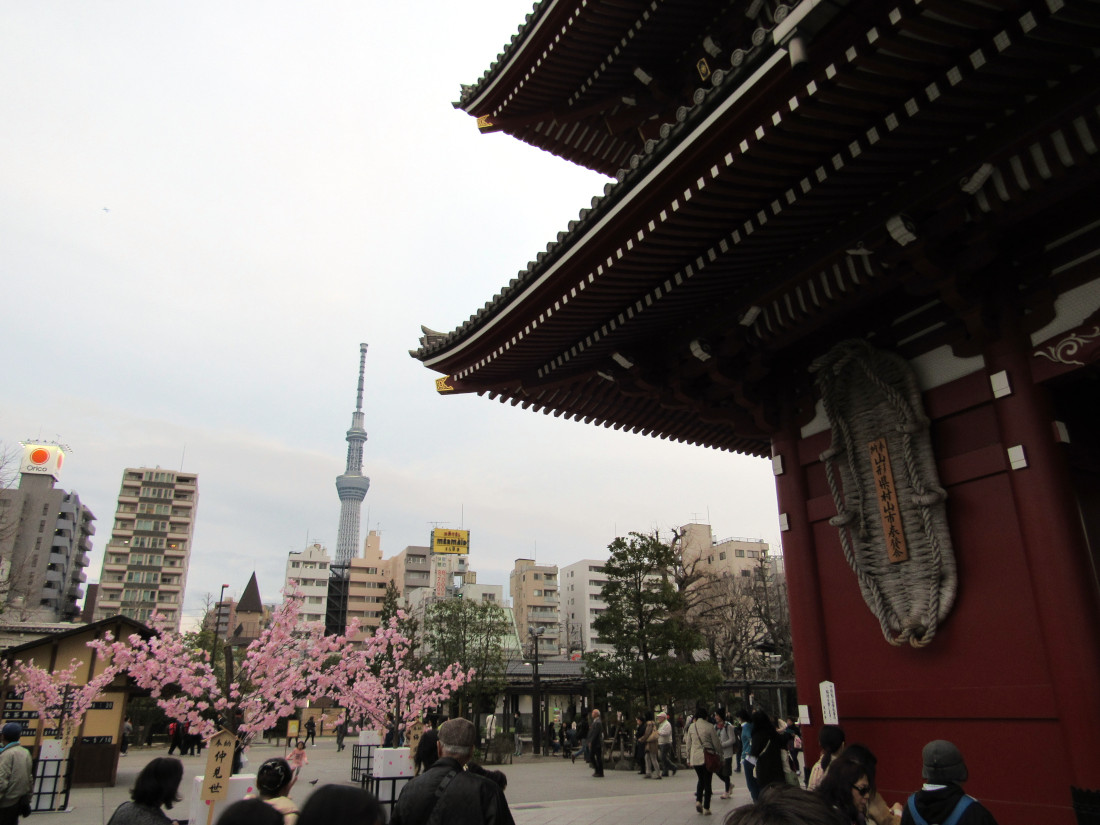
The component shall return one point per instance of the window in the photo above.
(754, 554)
(739, 552)
(295, 564)
(534, 577)
(746, 573)
(722, 556)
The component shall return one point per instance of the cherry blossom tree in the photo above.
(282, 670)
(377, 679)
(54, 695)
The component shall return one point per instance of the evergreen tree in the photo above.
(642, 623)
(471, 634)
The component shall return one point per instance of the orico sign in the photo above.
(42, 459)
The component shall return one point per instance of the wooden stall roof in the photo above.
(931, 159)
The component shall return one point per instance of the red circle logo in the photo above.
(40, 455)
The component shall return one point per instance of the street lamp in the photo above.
(536, 716)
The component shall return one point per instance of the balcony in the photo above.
(56, 558)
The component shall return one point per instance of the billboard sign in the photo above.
(451, 541)
(42, 460)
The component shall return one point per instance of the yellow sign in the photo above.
(451, 541)
(292, 728)
(887, 496)
(441, 384)
(219, 765)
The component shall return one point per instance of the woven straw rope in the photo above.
(869, 394)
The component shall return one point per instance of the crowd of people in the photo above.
(450, 789)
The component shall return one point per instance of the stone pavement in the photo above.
(541, 790)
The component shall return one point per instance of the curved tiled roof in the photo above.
(720, 85)
(774, 201)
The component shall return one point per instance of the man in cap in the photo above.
(15, 773)
(664, 744)
(942, 801)
(448, 794)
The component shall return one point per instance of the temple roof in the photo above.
(877, 156)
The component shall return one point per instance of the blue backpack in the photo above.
(956, 814)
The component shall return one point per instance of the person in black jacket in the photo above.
(944, 772)
(446, 794)
(427, 749)
(767, 749)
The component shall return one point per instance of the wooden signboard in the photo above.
(415, 733)
(219, 764)
(887, 496)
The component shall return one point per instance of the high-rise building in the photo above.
(367, 585)
(308, 570)
(45, 538)
(581, 603)
(534, 589)
(352, 488)
(145, 563)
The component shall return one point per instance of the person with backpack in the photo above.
(942, 799)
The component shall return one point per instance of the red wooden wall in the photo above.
(994, 679)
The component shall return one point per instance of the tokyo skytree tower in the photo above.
(352, 486)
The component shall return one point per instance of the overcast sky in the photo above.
(206, 206)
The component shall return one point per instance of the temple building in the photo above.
(861, 241)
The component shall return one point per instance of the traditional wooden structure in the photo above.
(917, 176)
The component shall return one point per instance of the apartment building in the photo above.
(582, 602)
(308, 570)
(145, 563)
(367, 578)
(740, 557)
(535, 600)
(45, 538)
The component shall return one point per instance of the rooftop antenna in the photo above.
(183, 455)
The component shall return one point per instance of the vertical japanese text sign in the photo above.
(829, 715)
(219, 764)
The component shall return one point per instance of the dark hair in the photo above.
(250, 812)
(761, 720)
(743, 715)
(782, 804)
(861, 754)
(831, 739)
(341, 805)
(701, 712)
(649, 716)
(721, 714)
(158, 783)
(836, 787)
(273, 775)
(495, 776)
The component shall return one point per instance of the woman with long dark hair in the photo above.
(849, 786)
(767, 750)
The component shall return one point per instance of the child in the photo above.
(297, 760)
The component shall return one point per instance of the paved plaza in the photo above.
(541, 790)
